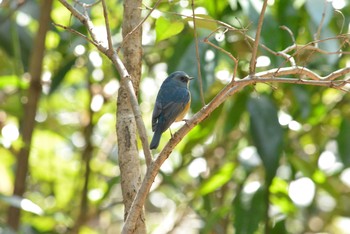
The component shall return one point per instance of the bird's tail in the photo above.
(155, 140)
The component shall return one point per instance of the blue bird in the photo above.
(172, 103)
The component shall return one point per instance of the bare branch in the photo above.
(289, 31)
(305, 77)
(318, 33)
(338, 73)
(225, 52)
(142, 21)
(75, 32)
(197, 55)
(125, 77)
(303, 71)
(257, 39)
(226, 92)
(285, 71)
(109, 36)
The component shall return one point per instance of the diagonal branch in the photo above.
(307, 77)
(225, 93)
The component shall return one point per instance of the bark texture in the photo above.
(128, 153)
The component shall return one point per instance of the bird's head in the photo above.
(180, 77)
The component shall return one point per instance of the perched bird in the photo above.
(172, 103)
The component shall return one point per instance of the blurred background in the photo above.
(281, 146)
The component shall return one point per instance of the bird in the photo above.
(172, 103)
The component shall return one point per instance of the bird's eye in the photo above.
(183, 78)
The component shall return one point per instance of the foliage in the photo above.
(253, 152)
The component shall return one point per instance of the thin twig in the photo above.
(228, 91)
(343, 22)
(109, 36)
(270, 76)
(75, 32)
(137, 26)
(87, 5)
(111, 54)
(305, 72)
(200, 81)
(225, 52)
(318, 33)
(289, 32)
(257, 39)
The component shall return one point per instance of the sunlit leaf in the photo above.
(13, 81)
(217, 180)
(166, 28)
(214, 7)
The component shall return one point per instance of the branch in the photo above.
(125, 77)
(226, 92)
(305, 72)
(269, 76)
(200, 81)
(109, 36)
(225, 52)
(257, 39)
(75, 32)
(318, 33)
(142, 21)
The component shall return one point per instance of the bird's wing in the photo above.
(156, 113)
(168, 106)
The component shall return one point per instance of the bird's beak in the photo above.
(190, 78)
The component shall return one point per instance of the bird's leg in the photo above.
(171, 134)
(186, 122)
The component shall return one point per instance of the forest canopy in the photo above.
(272, 157)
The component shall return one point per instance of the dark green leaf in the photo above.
(302, 98)
(61, 73)
(266, 132)
(249, 211)
(343, 142)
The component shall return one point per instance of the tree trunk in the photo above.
(35, 71)
(128, 154)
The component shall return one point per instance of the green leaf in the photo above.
(343, 142)
(234, 111)
(266, 132)
(214, 217)
(204, 21)
(217, 180)
(166, 28)
(61, 73)
(14, 81)
(249, 211)
(302, 98)
(215, 8)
